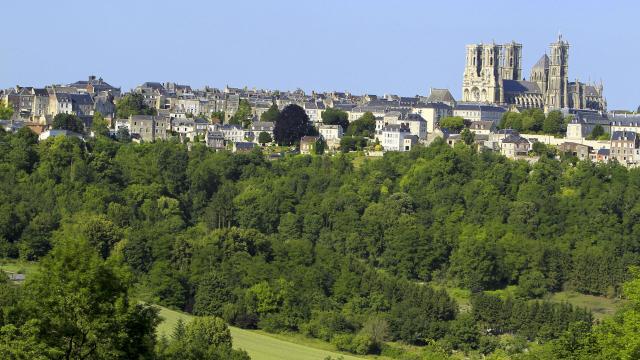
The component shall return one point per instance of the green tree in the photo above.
(264, 137)
(532, 284)
(292, 124)
(203, 338)
(243, 115)
(68, 122)
(467, 136)
(100, 125)
(365, 126)
(133, 104)
(597, 132)
(6, 112)
(452, 123)
(218, 117)
(332, 116)
(476, 262)
(122, 135)
(79, 306)
(554, 123)
(619, 337)
(271, 115)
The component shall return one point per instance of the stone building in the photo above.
(493, 74)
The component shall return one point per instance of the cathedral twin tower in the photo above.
(493, 74)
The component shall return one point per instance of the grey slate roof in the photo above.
(623, 135)
(479, 107)
(515, 139)
(440, 96)
(542, 64)
(521, 86)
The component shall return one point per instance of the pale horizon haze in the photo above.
(376, 47)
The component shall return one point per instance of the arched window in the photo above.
(511, 62)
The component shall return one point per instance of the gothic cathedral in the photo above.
(493, 74)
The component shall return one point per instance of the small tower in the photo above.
(511, 61)
(557, 87)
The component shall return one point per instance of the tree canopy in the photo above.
(292, 124)
(333, 116)
(68, 122)
(133, 104)
(271, 115)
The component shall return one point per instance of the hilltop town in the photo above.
(497, 112)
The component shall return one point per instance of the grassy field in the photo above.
(259, 345)
(601, 307)
(17, 266)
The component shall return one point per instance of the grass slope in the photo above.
(258, 345)
(601, 307)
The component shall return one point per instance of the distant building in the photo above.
(215, 140)
(580, 151)
(479, 112)
(310, 144)
(148, 127)
(393, 138)
(514, 145)
(625, 147)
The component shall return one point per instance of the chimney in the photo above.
(92, 77)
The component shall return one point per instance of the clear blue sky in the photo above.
(400, 47)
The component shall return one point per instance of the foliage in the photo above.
(243, 114)
(332, 116)
(467, 136)
(100, 125)
(292, 124)
(320, 245)
(77, 306)
(264, 137)
(452, 123)
(68, 122)
(353, 143)
(271, 115)
(203, 338)
(534, 121)
(218, 116)
(132, 104)
(6, 111)
(365, 126)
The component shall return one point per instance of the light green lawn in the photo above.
(17, 266)
(601, 307)
(257, 344)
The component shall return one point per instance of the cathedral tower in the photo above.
(481, 81)
(557, 87)
(511, 61)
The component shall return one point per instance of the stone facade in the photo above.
(493, 74)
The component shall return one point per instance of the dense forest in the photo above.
(350, 250)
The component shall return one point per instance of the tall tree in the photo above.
(452, 123)
(100, 125)
(292, 124)
(243, 115)
(333, 116)
(271, 115)
(79, 307)
(68, 122)
(364, 126)
(133, 104)
(554, 123)
(6, 112)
